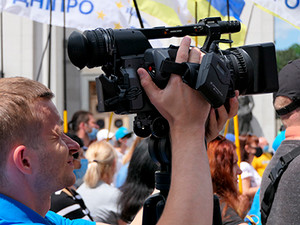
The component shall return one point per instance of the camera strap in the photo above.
(275, 176)
(289, 108)
(188, 71)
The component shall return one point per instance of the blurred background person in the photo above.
(224, 169)
(121, 175)
(105, 134)
(84, 125)
(140, 182)
(67, 202)
(99, 196)
(250, 178)
(278, 139)
(122, 143)
(260, 163)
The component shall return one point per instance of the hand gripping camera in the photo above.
(250, 69)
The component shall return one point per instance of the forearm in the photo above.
(247, 189)
(188, 148)
(251, 192)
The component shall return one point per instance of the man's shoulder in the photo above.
(56, 219)
(291, 173)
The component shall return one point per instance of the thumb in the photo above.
(149, 86)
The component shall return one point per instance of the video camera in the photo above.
(250, 69)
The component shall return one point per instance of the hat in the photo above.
(104, 134)
(230, 137)
(122, 132)
(289, 85)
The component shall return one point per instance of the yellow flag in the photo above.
(184, 12)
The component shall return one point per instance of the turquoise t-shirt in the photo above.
(14, 212)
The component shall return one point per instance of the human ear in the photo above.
(22, 159)
(247, 148)
(82, 125)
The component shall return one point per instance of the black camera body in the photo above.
(250, 69)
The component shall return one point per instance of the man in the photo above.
(285, 207)
(84, 125)
(36, 158)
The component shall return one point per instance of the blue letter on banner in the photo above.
(52, 6)
(292, 7)
(91, 7)
(25, 1)
(71, 6)
(40, 1)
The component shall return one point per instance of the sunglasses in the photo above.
(76, 155)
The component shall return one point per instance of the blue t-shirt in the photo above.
(14, 212)
(122, 175)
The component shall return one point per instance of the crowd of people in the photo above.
(92, 175)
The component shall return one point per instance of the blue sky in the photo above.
(285, 35)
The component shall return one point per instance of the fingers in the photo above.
(234, 105)
(195, 55)
(223, 116)
(149, 86)
(183, 50)
(217, 120)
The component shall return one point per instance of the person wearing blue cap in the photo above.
(122, 136)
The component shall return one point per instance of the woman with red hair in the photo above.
(224, 171)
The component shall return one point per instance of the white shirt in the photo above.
(249, 171)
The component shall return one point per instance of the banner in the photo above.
(288, 10)
(80, 14)
(116, 14)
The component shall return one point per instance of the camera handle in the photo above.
(159, 149)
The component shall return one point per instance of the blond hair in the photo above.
(102, 157)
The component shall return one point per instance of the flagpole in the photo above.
(208, 13)
(250, 18)
(138, 13)
(2, 51)
(65, 114)
(228, 18)
(50, 44)
(196, 20)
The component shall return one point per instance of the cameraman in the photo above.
(37, 156)
(190, 199)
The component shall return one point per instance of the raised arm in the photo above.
(190, 199)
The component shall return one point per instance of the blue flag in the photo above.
(235, 7)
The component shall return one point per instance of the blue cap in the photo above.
(122, 132)
(230, 137)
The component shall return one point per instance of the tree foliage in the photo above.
(284, 56)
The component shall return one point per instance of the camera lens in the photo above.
(91, 49)
(241, 66)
